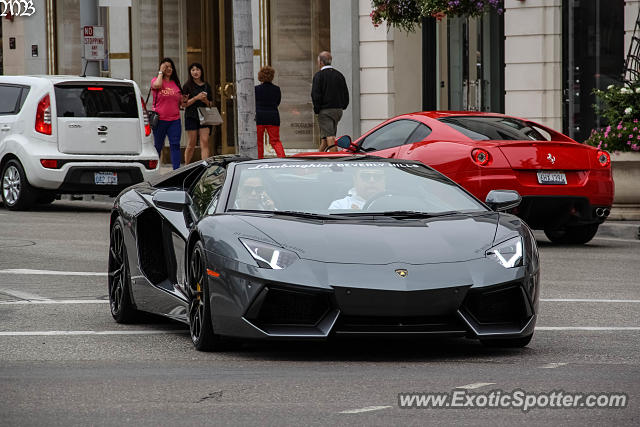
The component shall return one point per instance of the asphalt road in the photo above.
(64, 361)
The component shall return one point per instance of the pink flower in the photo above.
(605, 145)
(630, 136)
(635, 120)
(635, 129)
(599, 144)
(609, 128)
(620, 126)
(619, 135)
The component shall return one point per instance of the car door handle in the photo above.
(5, 128)
(392, 155)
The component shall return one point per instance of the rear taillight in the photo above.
(147, 126)
(152, 164)
(49, 163)
(603, 158)
(480, 156)
(43, 116)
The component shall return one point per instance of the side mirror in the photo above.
(344, 142)
(172, 200)
(503, 200)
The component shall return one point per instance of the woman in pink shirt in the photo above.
(167, 100)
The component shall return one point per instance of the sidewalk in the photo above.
(620, 230)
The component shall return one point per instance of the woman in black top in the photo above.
(267, 116)
(199, 95)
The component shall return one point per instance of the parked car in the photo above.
(311, 248)
(70, 134)
(566, 187)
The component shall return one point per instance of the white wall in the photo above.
(631, 8)
(387, 87)
(118, 33)
(28, 31)
(533, 60)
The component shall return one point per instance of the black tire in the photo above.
(17, 194)
(574, 235)
(200, 325)
(508, 343)
(122, 308)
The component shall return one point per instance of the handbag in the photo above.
(152, 115)
(209, 116)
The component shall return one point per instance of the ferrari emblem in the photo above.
(551, 158)
(402, 272)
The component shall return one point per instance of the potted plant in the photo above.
(620, 106)
(407, 14)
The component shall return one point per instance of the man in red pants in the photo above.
(267, 115)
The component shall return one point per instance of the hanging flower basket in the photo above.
(407, 14)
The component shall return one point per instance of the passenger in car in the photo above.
(252, 195)
(368, 183)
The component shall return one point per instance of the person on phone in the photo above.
(267, 115)
(252, 195)
(167, 100)
(199, 94)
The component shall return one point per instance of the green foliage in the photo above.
(407, 14)
(620, 106)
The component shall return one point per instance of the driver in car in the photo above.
(252, 195)
(367, 184)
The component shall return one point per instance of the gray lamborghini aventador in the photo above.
(320, 247)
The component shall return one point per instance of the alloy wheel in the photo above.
(11, 185)
(197, 304)
(117, 270)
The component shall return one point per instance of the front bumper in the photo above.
(476, 299)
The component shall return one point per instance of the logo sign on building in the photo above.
(93, 40)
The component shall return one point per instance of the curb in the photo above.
(620, 230)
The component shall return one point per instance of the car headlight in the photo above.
(270, 256)
(508, 253)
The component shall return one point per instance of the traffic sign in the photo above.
(93, 40)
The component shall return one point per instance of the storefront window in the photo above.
(593, 53)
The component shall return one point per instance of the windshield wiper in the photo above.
(308, 215)
(410, 214)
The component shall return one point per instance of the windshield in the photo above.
(328, 187)
(493, 128)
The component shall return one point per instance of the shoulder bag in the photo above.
(209, 116)
(153, 116)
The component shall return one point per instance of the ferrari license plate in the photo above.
(557, 178)
(105, 178)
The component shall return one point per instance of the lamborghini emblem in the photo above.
(402, 272)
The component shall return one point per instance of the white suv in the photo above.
(71, 135)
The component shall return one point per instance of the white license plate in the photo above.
(557, 178)
(105, 178)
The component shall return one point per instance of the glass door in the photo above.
(475, 50)
(593, 57)
(210, 42)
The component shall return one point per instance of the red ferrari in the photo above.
(566, 187)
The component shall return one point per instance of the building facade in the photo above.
(540, 60)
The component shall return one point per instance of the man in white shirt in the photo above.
(367, 183)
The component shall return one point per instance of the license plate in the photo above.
(105, 178)
(557, 178)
